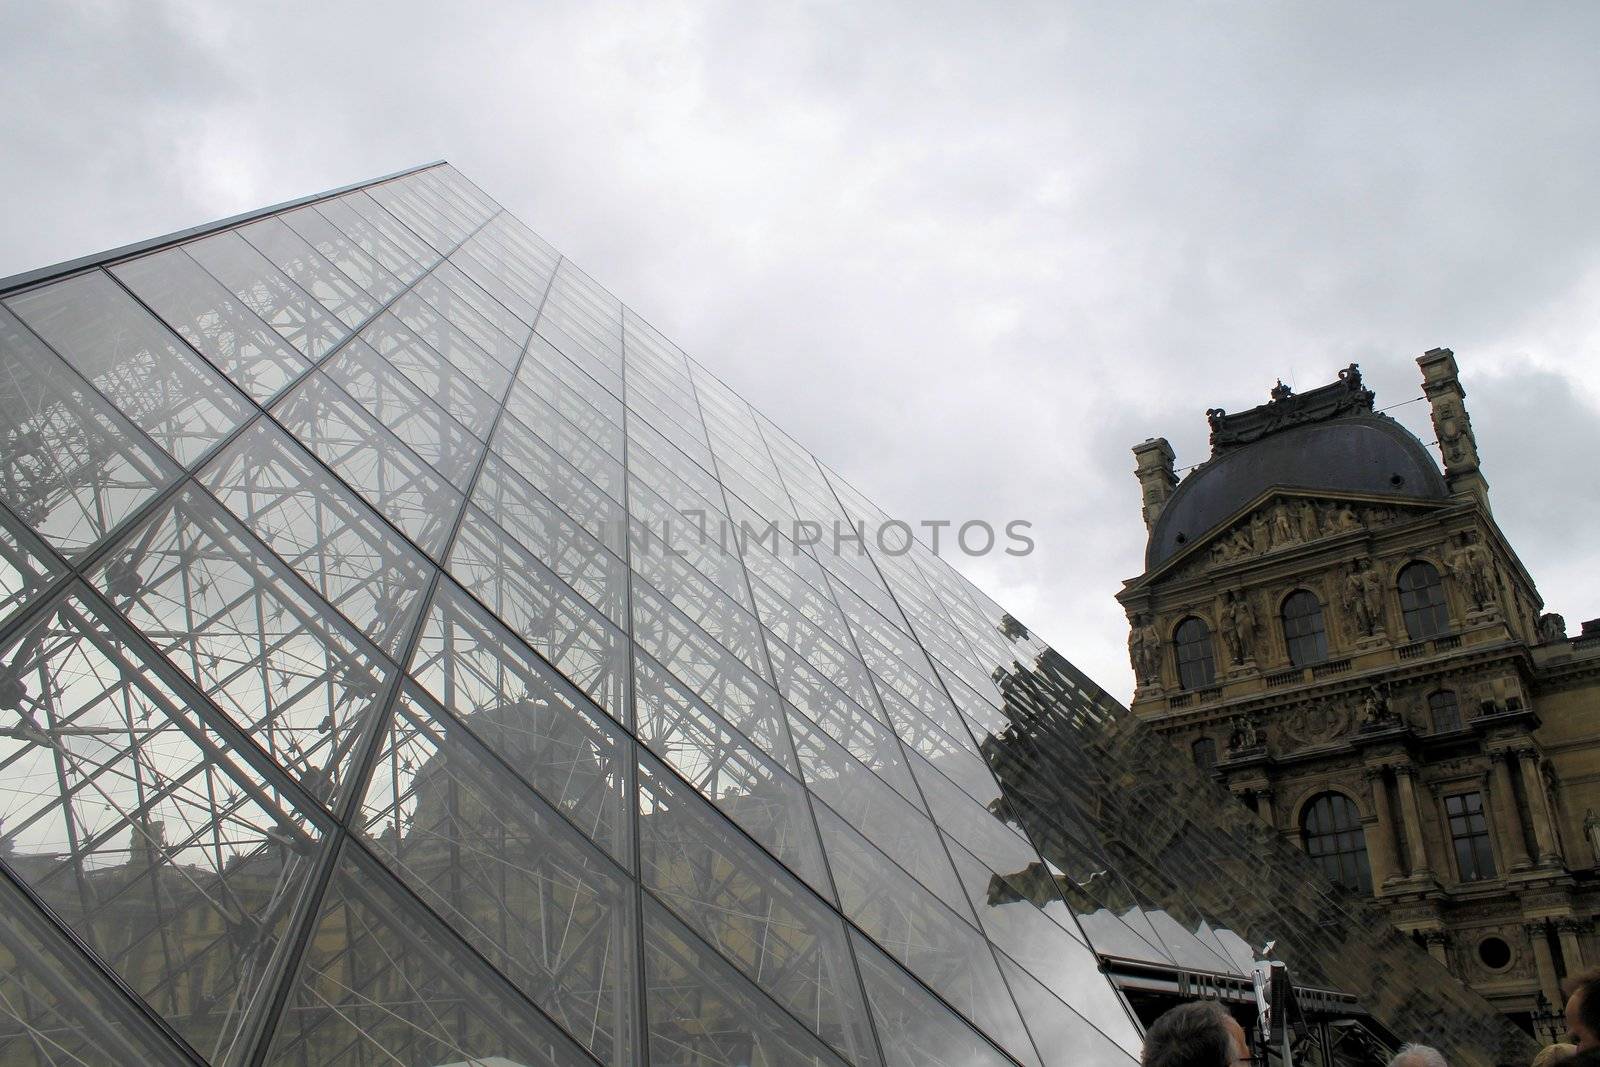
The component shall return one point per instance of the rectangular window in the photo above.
(1469, 833)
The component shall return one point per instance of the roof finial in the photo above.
(1281, 391)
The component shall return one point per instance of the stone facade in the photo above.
(1418, 681)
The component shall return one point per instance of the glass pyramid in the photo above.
(408, 655)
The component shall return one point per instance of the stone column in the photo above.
(1157, 480)
(1505, 809)
(1265, 809)
(1411, 811)
(1567, 932)
(1545, 961)
(1387, 853)
(1450, 422)
(1544, 832)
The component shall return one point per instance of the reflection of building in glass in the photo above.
(1386, 694)
(368, 694)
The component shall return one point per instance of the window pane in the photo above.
(280, 303)
(507, 874)
(215, 321)
(750, 910)
(151, 376)
(70, 466)
(282, 666)
(169, 855)
(383, 982)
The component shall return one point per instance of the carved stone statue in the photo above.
(1372, 596)
(1239, 628)
(1469, 565)
(1455, 434)
(1344, 518)
(1375, 712)
(1353, 594)
(1283, 531)
(1246, 734)
(1144, 650)
(1552, 627)
(1306, 516)
(1260, 532)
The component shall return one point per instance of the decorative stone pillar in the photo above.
(1544, 831)
(1568, 931)
(1386, 855)
(1545, 961)
(1411, 811)
(1505, 809)
(1450, 422)
(1264, 808)
(1438, 942)
(1156, 478)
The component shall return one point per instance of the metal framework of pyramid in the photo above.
(408, 655)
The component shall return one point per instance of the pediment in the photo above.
(1281, 520)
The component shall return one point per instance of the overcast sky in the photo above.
(969, 254)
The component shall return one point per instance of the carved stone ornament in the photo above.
(1343, 397)
(1315, 723)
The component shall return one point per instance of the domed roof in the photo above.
(1352, 451)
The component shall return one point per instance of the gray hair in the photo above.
(1418, 1056)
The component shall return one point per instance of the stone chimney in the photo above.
(1156, 480)
(1450, 422)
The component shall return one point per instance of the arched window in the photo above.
(1205, 753)
(1302, 628)
(1331, 831)
(1422, 601)
(1197, 666)
(1444, 711)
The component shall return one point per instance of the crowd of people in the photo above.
(1203, 1034)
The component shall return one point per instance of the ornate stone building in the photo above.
(1343, 633)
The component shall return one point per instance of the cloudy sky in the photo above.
(969, 254)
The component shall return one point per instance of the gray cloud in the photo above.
(967, 255)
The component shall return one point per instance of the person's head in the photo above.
(1551, 1055)
(1582, 991)
(1198, 1034)
(1418, 1056)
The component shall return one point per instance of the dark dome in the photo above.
(1363, 454)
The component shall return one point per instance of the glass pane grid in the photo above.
(490, 752)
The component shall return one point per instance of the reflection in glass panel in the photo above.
(915, 1028)
(280, 303)
(936, 945)
(26, 566)
(328, 285)
(152, 378)
(341, 251)
(1064, 1038)
(346, 553)
(410, 414)
(703, 1013)
(507, 874)
(383, 982)
(561, 627)
(233, 619)
(747, 785)
(594, 571)
(527, 713)
(217, 323)
(379, 234)
(170, 856)
(54, 1008)
(454, 389)
(69, 466)
(372, 461)
(751, 911)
